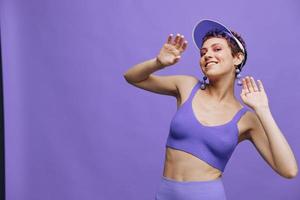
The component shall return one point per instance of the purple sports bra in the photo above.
(212, 144)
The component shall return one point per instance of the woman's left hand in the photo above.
(253, 96)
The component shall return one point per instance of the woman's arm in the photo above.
(264, 132)
(140, 75)
(267, 138)
(169, 54)
(141, 71)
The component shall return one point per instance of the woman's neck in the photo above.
(221, 90)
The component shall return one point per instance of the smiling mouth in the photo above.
(210, 63)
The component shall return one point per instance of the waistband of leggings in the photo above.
(219, 179)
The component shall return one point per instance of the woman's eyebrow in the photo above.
(214, 44)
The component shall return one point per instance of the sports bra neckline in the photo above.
(190, 100)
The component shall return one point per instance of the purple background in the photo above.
(75, 129)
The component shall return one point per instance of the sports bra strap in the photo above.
(194, 90)
(236, 117)
(239, 114)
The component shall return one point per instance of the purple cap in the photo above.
(206, 25)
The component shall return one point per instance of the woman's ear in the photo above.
(238, 59)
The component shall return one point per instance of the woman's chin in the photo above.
(212, 75)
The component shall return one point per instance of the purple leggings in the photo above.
(170, 189)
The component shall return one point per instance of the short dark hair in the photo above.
(235, 49)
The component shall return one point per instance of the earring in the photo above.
(203, 83)
(238, 77)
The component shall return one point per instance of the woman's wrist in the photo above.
(158, 63)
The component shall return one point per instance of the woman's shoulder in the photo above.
(185, 86)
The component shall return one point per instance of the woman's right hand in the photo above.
(171, 51)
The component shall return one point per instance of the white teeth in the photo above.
(210, 63)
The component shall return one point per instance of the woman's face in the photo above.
(216, 57)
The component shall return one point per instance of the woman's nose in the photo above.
(207, 56)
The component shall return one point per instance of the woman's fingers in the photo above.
(184, 45)
(169, 41)
(249, 84)
(254, 86)
(245, 89)
(179, 42)
(260, 85)
(176, 39)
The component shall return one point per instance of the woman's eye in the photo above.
(218, 49)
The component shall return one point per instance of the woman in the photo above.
(210, 121)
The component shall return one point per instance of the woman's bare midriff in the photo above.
(182, 166)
